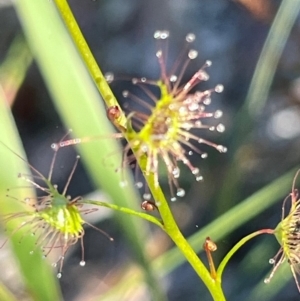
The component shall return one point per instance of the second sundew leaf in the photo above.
(80, 107)
(40, 284)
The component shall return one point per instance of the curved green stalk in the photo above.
(90, 62)
(237, 246)
(80, 107)
(145, 216)
(170, 226)
(169, 223)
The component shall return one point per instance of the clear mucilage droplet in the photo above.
(173, 78)
(125, 93)
(190, 37)
(161, 34)
(147, 196)
(220, 128)
(218, 114)
(176, 172)
(219, 88)
(180, 192)
(82, 263)
(222, 148)
(192, 54)
(109, 76)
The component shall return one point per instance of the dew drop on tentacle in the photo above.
(180, 192)
(199, 178)
(219, 88)
(207, 101)
(139, 185)
(59, 275)
(173, 199)
(221, 148)
(55, 146)
(267, 280)
(190, 37)
(194, 106)
(192, 54)
(158, 54)
(220, 128)
(147, 196)
(82, 263)
(161, 34)
(173, 78)
(109, 76)
(208, 63)
(204, 155)
(125, 93)
(218, 114)
(195, 171)
(176, 172)
(271, 261)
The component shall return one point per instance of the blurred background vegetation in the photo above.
(262, 137)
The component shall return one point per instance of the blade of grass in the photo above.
(257, 95)
(80, 107)
(14, 68)
(5, 294)
(40, 284)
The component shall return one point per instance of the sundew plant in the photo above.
(190, 143)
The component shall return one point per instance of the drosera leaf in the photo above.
(173, 118)
(55, 219)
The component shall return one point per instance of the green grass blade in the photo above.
(257, 95)
(5, 294)
(80, 107)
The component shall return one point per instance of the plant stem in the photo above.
(145, 216)
(171, 228)
(236, 247)
(87, 56)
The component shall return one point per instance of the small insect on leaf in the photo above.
(55, 218)
(287, 233)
